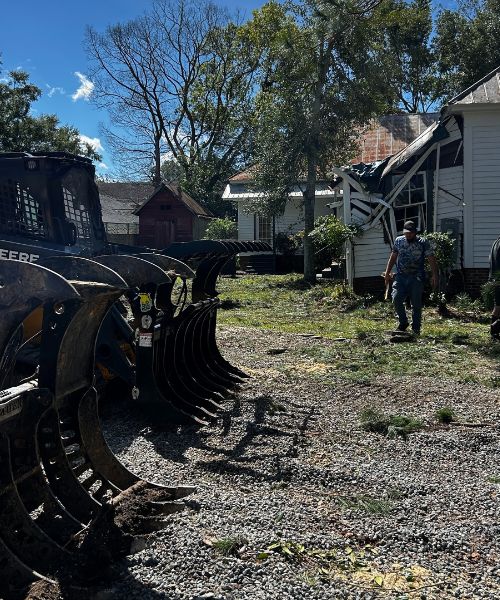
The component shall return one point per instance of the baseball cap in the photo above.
(409, 227)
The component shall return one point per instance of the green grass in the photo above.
(458, 348)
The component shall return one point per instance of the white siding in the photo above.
(485, 178)
(245, 224)
(371, 253)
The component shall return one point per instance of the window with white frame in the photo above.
(411, 202)
(264, 229)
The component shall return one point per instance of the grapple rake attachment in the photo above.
(209, 258)
(59, 482)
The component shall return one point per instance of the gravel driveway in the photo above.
(356, 514)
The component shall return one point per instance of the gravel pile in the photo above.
(358, 515)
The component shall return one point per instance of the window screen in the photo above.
(20, 211)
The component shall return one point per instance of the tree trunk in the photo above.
(309, 200)
(157, 158)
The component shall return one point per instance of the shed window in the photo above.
(165, 206)
(411, 202)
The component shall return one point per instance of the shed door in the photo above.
(164, 233)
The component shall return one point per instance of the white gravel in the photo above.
(288, 460)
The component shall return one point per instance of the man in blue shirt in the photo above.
(408, 254)
(495, 278)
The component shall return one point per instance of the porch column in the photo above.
(347, 217)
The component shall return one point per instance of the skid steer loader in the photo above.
(63, 493)
(164, 349)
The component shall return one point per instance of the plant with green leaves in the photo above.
(322, 75)
(21, 131)
(221, 229)
(443, 246)
(329, 237)
(445, 415)
(389, 425)
(466, 43)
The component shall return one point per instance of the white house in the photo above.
(447, 179)
(380, 140)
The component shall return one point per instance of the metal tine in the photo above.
(208, 387)
(193, 353)
(144, 275)
(82, 414)
(208, 352)
(175, 372)
(213, 255)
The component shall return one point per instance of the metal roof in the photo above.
(484, 91)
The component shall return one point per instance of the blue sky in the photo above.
(46, 40)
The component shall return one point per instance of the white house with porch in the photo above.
(446, 178)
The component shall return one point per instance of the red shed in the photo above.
(170, 215)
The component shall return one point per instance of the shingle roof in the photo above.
(484, 91)
(120, 199)
(189, 202)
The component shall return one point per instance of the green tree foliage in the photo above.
(467, 43)
(322, 76)
(329, 237)
(20, 131)
(221, 229)
(408, 29)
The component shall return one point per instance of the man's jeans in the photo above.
(412, 286)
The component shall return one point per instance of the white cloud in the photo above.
(103, 166)
(86, 88)
(94, 142)
(54, 90)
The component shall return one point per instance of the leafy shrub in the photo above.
(329, 237)
(444, 249)
(488, 294)
(389, 425)
(445, 415)
(221, 229)
(286, 243)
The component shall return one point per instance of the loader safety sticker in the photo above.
(146, 321)
(145, 302)
(145, 340)
(10, 408)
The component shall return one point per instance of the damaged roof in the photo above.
(484, 91)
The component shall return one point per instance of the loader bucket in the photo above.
(49, 430)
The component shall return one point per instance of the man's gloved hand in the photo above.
(495, 328)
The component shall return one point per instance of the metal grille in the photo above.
(122, 228)
(19, 210)
(77, 214)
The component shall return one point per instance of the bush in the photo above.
(444, 249)
(389, 425)
(286, 243)
(221, 229)
(445, 415)
(488, 294)
(329, 237)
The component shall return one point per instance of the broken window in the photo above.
(411, 202)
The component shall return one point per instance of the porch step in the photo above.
(260, 264)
